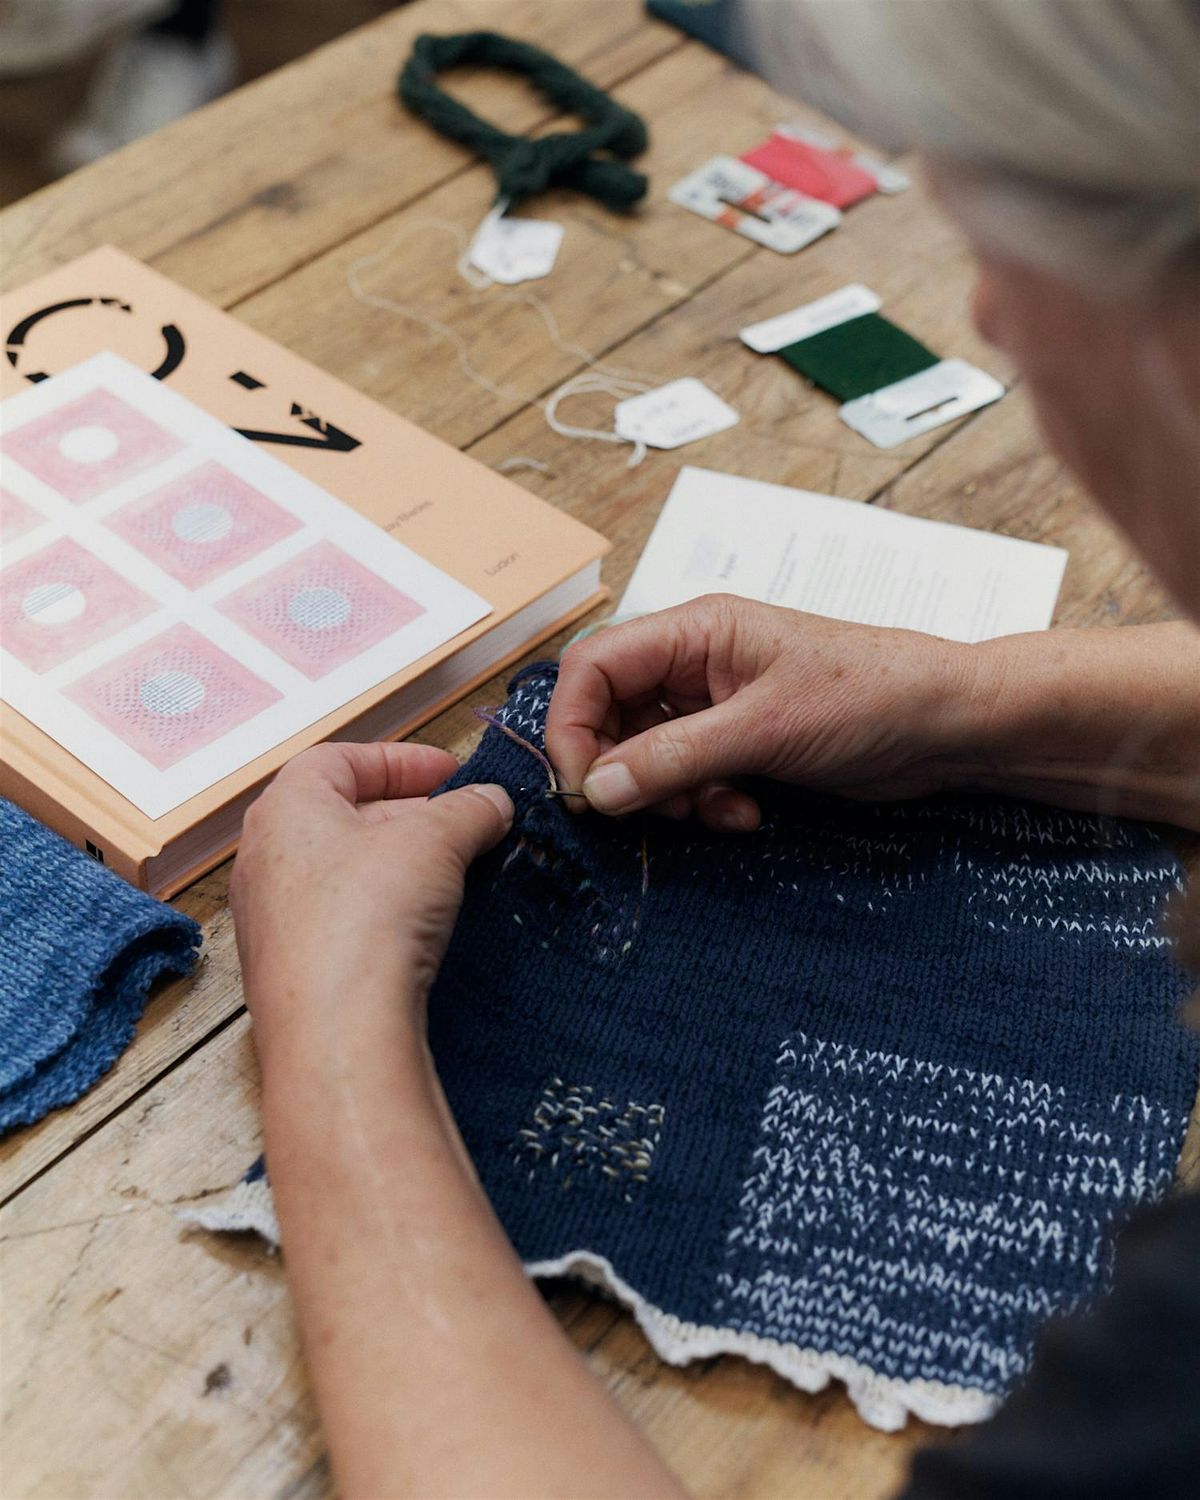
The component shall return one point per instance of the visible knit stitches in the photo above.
(79, 950)
(858, 1095)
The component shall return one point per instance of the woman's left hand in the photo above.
(349, 880)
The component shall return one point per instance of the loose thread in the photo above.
(597, 378)
(521, 461)
(489, 718)
(637, 916)
(554, 791)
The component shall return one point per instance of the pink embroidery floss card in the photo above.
(175, 600)
(830, 176)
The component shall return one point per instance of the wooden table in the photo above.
(141, 1359)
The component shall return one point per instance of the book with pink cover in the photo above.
(215, 555)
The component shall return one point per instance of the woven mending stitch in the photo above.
(923, 1218)
(575, 1133)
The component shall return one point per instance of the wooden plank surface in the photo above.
(175, 1352)
(272, 174)
(616, 279)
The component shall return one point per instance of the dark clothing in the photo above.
(1110, 1409)
(193, 20)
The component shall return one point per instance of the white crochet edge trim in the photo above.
(246, 1207)
(881, 1401)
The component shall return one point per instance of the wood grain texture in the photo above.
(271, 175)
(616, 278)
(175, 1353)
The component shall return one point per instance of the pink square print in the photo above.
(320, 609)
(62, 599)
(16, 518)
(172, 695)
(202, 524)
(88, 445)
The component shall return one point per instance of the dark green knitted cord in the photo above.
(525, 167)
(859, 356)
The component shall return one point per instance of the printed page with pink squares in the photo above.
(174, 601)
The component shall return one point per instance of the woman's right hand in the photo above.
(662, 711)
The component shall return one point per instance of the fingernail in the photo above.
(611, 788)
(498, 797)
(739, 820)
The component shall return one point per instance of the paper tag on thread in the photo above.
(680, 412)
(515, 250)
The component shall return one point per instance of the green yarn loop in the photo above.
(525, 167)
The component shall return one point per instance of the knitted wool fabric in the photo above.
(79, 950)
(858, 1095)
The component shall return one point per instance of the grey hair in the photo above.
(1068, 131)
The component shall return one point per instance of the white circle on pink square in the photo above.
(90, 445)
(172, 695)
(62, 599)
(202, 524)
(320, 609)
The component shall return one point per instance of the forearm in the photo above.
(1103, 720)
(438, 1370)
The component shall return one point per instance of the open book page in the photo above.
(174, 600)
(721, 534)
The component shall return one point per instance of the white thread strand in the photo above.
(521, 461)
(598, 378)
(592, 382)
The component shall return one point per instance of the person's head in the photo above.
(1064, 136)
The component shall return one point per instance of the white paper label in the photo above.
(920, 403)
(719, 533)
(739, 196)
(814, 317)
(888, 179)
(514, 250)
(674, 414)
(822, 140)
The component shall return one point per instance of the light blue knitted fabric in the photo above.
(79, 950)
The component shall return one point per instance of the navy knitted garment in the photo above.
(79, 950)
(858, 1095)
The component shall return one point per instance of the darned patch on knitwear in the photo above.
(872, 1085)
(79, 951)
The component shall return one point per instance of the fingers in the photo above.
(678, 756)
(470, 820)
(368, 773)
(727, 810)
(614, 672)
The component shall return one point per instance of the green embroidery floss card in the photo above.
(859, 356)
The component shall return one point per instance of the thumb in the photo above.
(471, 819)
(677, 756)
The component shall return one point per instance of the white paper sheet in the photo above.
(173, 600)
(719, 533)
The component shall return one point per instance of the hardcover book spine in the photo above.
(40, 805)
